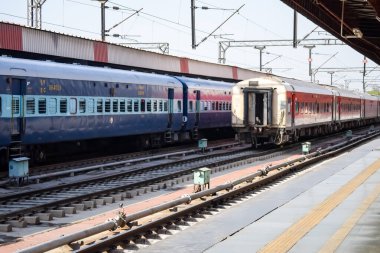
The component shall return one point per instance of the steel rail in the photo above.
(62, 202)
(292, 165)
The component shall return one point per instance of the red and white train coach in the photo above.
(277, 109)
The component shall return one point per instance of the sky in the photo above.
(169, 21)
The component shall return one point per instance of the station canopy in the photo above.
(356, 22)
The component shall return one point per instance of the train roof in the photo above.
(303, 86)
(46, 69)
(197, 82)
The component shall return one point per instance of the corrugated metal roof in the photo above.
(359, 26)
(41, 44)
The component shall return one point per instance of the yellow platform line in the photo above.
(293, 234)
(340, 235)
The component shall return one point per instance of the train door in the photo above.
(197, 107)
(170, 107)
(362, 108)
(17, 112)
(293, 110)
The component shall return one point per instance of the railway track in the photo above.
(44, 204)
(39, 172)
(203, 204)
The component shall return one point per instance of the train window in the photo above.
(220, 106)
(213, 105)
(155, 105)
(216, 105)
(302, 107)
(42, 105)
(136, 105)
(149, 105)
(165, 106)
(115, 105)
(297, 107)
(179, 106)
(63, 105)
(30, 106)
(15, 105)
(73, 105)
(204, 106)
(52, 106)
(99, 105)
(129, 105)
(317, 107)
(107, 105)
(142, 105)
(191, 106)
(82, 105)
(160, 106)
(122, 105)
(289, 103)
(91, 105)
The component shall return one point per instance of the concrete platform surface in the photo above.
(332, 208)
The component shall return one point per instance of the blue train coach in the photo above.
(44, 103)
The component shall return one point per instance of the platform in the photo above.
(331, 208)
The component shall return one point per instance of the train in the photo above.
(49, 106)
(274, 109)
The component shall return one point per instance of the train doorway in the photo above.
(258, 109)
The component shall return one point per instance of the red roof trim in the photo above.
(10, 37)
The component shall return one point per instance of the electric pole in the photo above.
(193, 42)
(310, 47)
(34, 13)
(261, 48)
(103, 18)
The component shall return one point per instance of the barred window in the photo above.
(63, 105)
(99, 105)
(160, 106)
(30, 106)
(149, 105)
(107, 105)
(115, 105)
(155, 105)
(122, 105)
(15, 105)
(129, 105)
(82, 105)
(136, 105)
(42, 105)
